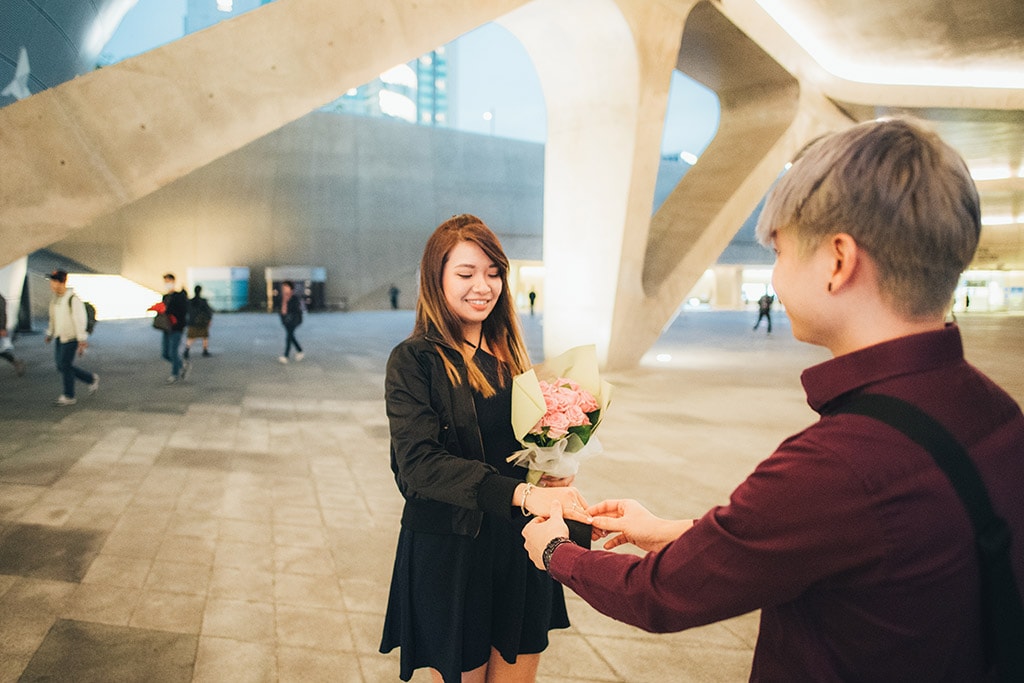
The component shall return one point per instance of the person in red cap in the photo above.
(67, 329)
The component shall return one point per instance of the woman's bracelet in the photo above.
(522, 503)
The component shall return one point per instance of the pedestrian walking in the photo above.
(200, 316)
(67, 329)
(291, 318)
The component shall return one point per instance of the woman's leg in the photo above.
(477, 675)
(523, 671)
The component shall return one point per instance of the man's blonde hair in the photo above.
(902, 193)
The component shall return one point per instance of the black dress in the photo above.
(454, 597)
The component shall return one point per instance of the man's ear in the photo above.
(845, 254)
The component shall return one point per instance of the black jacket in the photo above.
(176, 305)
(292, 317)
(436, 450)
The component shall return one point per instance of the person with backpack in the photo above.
(200, 315)
(68, 330)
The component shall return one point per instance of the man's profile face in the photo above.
(800, 282)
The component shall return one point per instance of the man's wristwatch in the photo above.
(550, 548)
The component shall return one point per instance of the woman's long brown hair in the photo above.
(500, 329)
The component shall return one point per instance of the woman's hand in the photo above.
(636, 525)
(546, 480)
(538, 500)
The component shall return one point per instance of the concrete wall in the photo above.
(357, 196)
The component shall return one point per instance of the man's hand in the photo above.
(539, 532)
(635, 525)
(82, 346)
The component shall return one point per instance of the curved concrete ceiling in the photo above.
(957, 64)
(964, 43)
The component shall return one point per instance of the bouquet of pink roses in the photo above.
(569, 409)
(554, 418)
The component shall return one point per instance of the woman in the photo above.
(200, 316)
(465, 599)
(291, 317)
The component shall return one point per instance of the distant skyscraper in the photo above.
(417, 92)
(432, 88)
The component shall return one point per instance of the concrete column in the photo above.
(12, 281)
(728, 287)
(766, 116)
(606, 82)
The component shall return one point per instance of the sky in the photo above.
(149, 24)
(494, 74)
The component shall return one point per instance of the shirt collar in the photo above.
(915, 353)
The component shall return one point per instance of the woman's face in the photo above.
(471, 283)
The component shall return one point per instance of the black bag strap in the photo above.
(1001, 608)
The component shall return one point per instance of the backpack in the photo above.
(90, 314)
(200, 313)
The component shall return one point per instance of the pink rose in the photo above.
(576, 417)
(556, 399)
(587, 402)
(557, 423)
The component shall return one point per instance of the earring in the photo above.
(830, 286)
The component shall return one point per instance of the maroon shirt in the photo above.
(849, 538)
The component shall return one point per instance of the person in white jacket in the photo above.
(67, 328)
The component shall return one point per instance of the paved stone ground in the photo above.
(241, 526)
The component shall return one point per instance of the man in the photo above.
(850, 540)
(176, 307)
(68, 332)
(764, 310)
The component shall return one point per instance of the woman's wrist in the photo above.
(521, 496)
